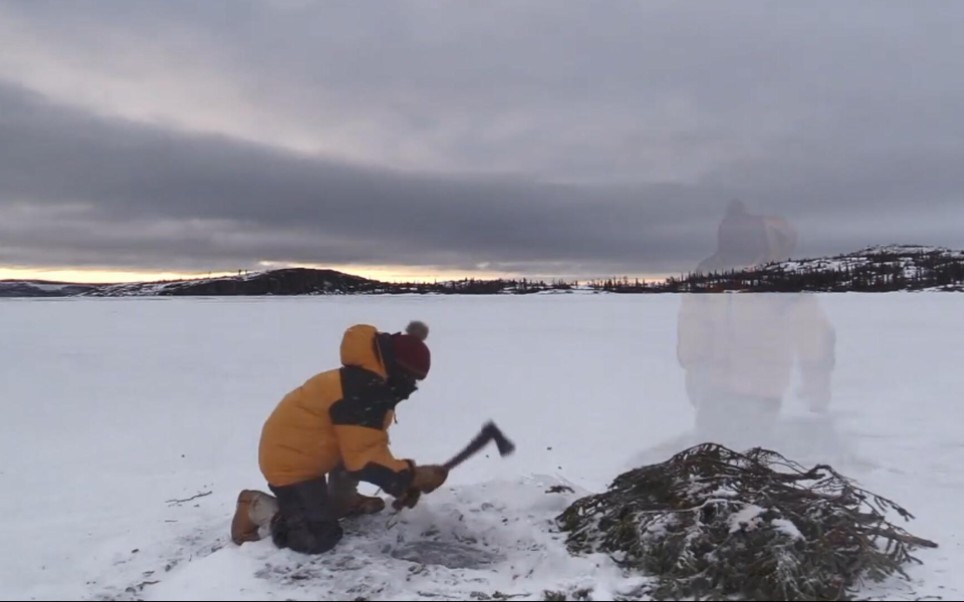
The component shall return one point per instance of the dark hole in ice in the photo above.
(452, 555)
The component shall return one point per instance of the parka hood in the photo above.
(359, 347)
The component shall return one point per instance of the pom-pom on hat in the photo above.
(410, 351)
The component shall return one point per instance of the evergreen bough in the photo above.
(712, 523)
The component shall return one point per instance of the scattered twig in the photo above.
(904, 538)
(189, 499)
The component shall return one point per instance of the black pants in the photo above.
(306, 521)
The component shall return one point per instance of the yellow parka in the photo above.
(340, 416)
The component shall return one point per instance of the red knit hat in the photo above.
(410, 351)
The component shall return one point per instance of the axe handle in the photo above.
(477, 443)
(410, 497)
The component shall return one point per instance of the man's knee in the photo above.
(305, 521)
(307, 500)
(313, 538)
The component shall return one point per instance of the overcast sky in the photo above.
(545, 138)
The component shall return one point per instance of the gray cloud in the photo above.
(213, 135)
(140, 194)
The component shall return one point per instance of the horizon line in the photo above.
(398, 274)
(107, 276)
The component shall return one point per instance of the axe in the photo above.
(489, 432)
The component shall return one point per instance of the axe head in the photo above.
(489, 432)
(502, 442)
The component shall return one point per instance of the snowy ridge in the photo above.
(882, 268)
(908, 256)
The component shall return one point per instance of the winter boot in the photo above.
(362, 504)
(252, 516)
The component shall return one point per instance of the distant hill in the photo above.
(288, 281)
(874, 269)
(42, 288)
(306, 281)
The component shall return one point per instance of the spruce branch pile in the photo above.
(712, 523)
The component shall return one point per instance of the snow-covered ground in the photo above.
(117, 412)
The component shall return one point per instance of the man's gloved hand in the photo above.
(425, 479)
(407, 499)
(429, 478)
